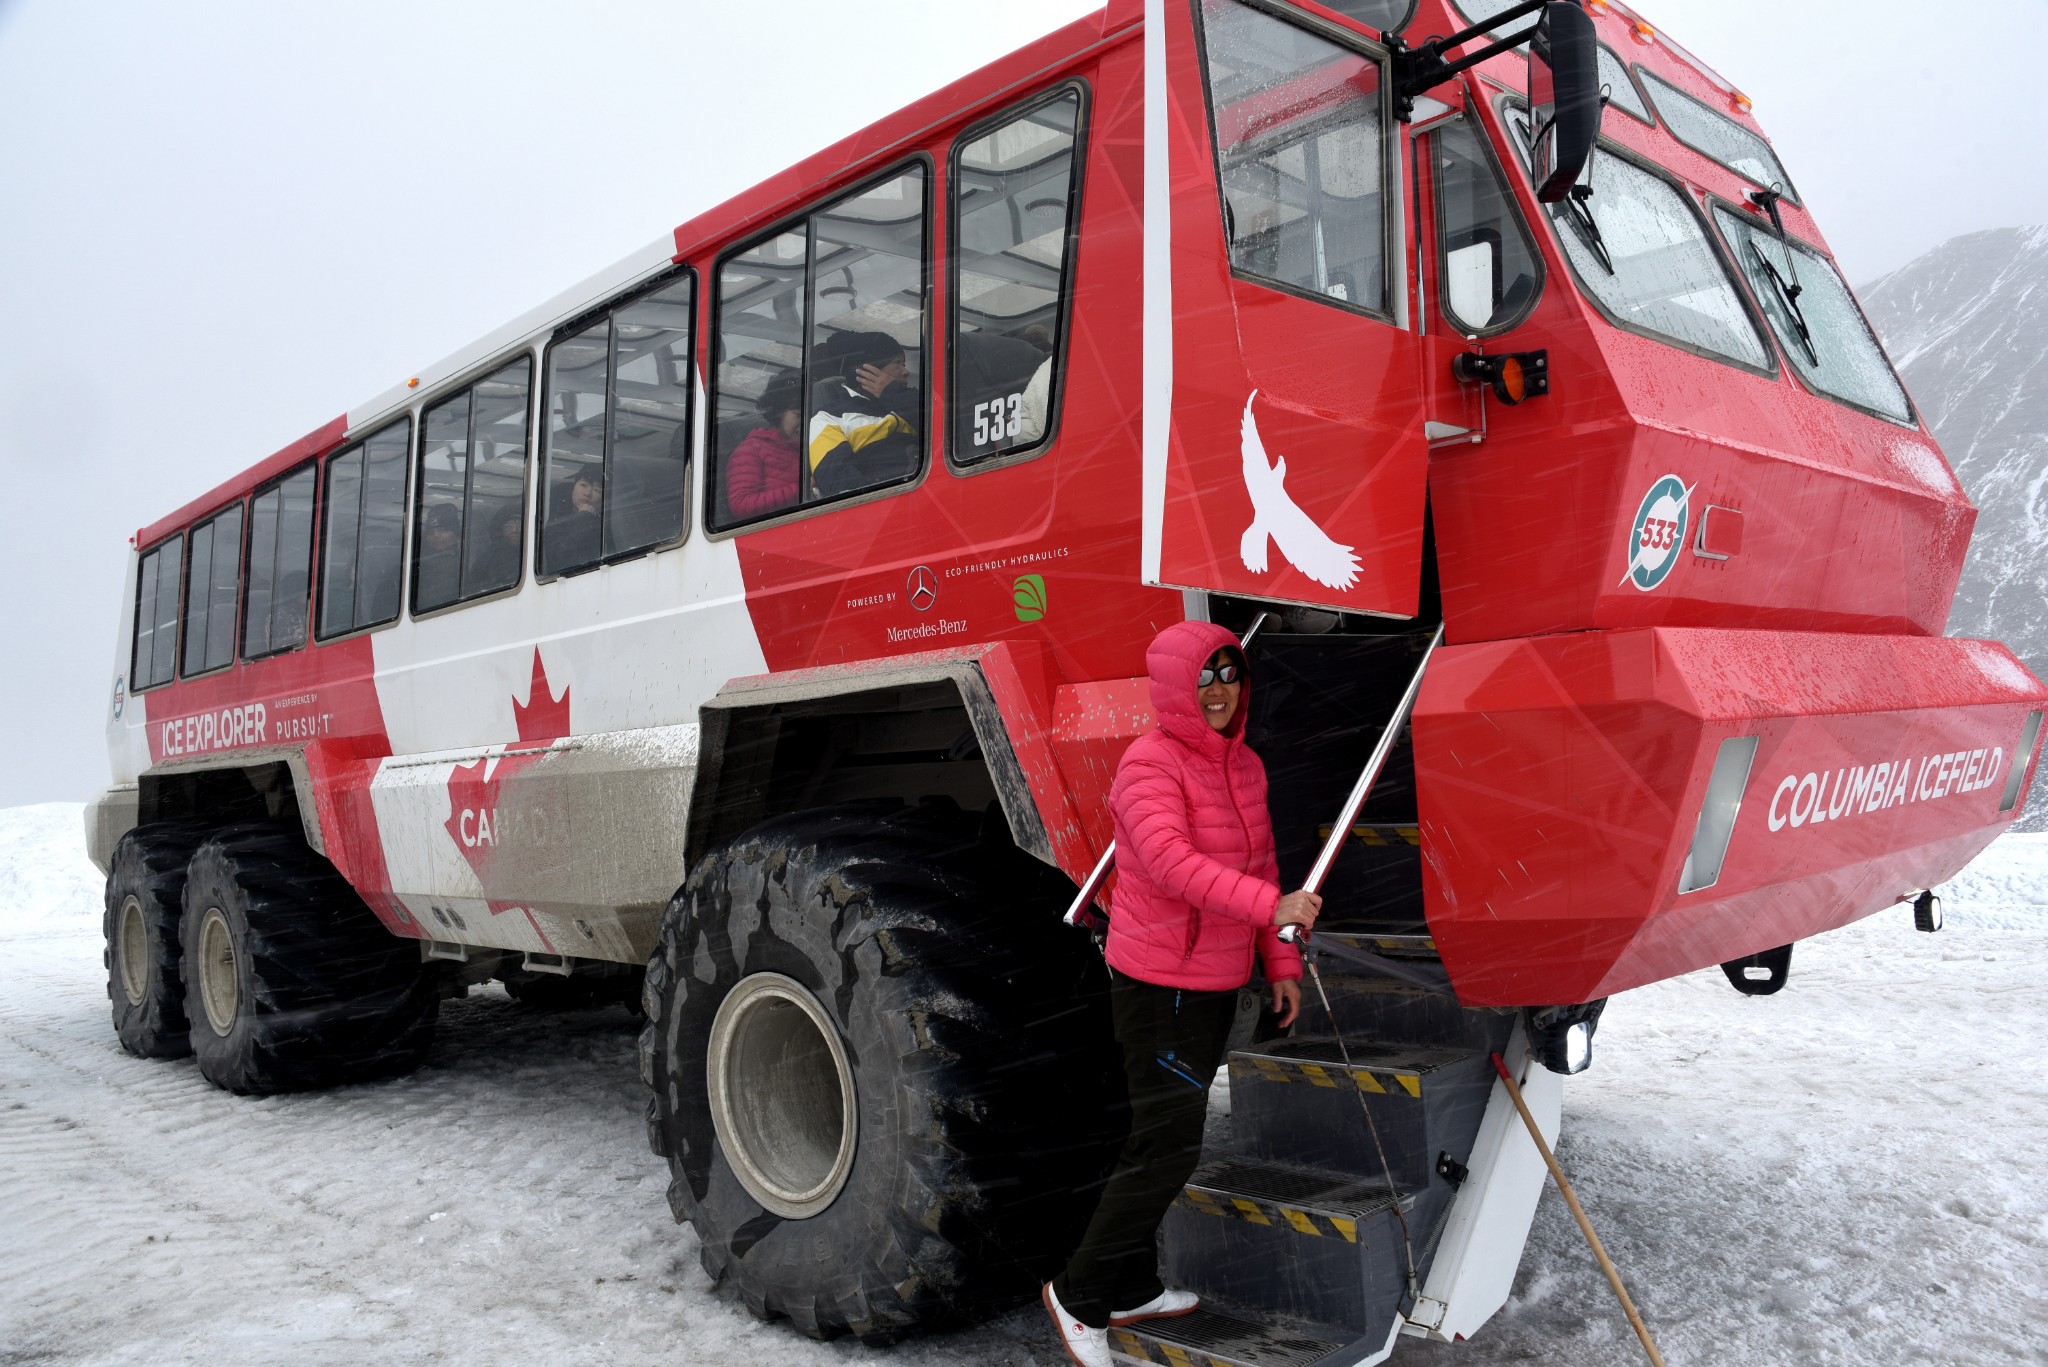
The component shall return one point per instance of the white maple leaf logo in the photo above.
(1277, 517)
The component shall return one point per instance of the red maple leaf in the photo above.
(474, 820)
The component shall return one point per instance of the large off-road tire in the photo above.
(291, 982)
(882, 1068)
(145, 891)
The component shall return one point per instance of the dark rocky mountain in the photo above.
(1967, 326)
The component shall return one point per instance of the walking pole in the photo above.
(1579, 1214)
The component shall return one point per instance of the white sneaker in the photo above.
(1087, 1347)
(1164, 1306)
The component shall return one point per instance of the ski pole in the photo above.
(1578, 1213)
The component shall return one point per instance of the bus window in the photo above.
(821, 337)
(1300, 128)
(1487, 264)
(1641, 253)
(469, 518)
(1013, 213)
(1718, 137)
(1381, 16)
(212, 585)
(362, 544)
(280, 567)
(618, 461)
(155, 657)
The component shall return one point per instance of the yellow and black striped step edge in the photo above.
(1314, 1204)
(1381, 1082)
(1379, 833)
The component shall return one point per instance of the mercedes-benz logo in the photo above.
(923, 588)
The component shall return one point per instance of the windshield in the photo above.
(1640, 250)
(1834, 352)
(1712, 135)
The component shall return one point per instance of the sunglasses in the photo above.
(1225, 673)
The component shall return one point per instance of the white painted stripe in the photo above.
(1158, 313)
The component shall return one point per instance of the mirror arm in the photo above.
(1426, 69)
(1423, 68)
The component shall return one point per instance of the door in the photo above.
(1283, 417)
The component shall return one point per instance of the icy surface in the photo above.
(1854, 1171)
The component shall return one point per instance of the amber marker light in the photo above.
(1597, 6)
(413, 383)
(1644, 33)
(1740, 101)
(1512, 384)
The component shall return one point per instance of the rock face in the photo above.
(1967, 326)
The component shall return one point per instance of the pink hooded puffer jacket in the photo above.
(1196, 878)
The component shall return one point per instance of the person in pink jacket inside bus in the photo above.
(1197, 906)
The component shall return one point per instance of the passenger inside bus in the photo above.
(573, 531)
(864, 415)
(440, 568)
(498, 558)
(764, 472)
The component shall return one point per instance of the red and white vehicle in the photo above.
(678, 626)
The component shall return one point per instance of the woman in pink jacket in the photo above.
(1197, 905)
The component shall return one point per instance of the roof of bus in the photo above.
(848, 159)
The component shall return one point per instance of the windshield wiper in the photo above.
(1789, 289)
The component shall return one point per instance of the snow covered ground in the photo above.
(1853, 1171)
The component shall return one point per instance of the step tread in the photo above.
(1213, 1338)
(1371, 1056)
(1336, 1196)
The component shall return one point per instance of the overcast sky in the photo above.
(223, 222)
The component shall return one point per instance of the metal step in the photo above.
(1376, 1068)
(1213, 1338)
(1311, 1203)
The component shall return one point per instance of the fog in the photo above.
(223, 224)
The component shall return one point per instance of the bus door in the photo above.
(1283, 414)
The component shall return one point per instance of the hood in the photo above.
(1174, 658)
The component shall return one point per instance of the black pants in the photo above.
(1173, 1042)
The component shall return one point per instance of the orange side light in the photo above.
(1644, 33)
(413, 383)
(1740, 101)
(1597, 6)
(1513, 382)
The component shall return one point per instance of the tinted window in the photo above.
(821, 336)
(156, 614)
(469, 527)
(1717, 136)
(1836, 353)
(1381, 16)
(1488, 266)
(618, 460)
(1013, 206)
(211, 588)
(362, 548)
(1621, 91)
(280, 566)
(1299, 139)
(1640, 250)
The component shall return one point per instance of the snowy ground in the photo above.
(1854, 1171)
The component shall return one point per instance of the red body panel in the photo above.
(1561, 782)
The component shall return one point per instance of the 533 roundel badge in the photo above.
(1659, 533)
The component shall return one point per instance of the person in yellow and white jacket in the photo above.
(864, 416)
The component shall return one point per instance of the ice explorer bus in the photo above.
(753, 631)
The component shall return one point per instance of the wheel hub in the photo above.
(782, 1097)
(132, 948)
(219, 984)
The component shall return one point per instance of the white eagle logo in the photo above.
(1306, 546)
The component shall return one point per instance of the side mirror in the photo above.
(1564, 98)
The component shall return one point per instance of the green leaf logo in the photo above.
(1028, 593)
